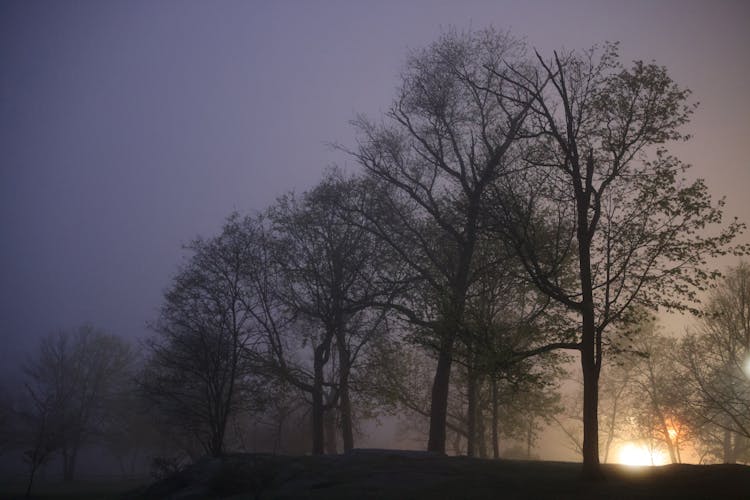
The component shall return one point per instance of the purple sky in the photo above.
(127, 128)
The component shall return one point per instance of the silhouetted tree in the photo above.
(7, 420)
(450, 133)
(71, 379)
(331, 270)
(628, 225)
(39, 431)
(507, 322)
(197, 373)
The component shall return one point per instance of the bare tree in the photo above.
(7, 420)
(40, 432)
(715, 359)
(317, 284)
(617, 380)
(197, 374)
(657, 392)
(72, 377)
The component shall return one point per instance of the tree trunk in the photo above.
(729, 457)
(217, 444)
(330, 432)
(347, 428)
(495, 423)
(439, 400)
(450, 328)
(69, 463)
(590, 341)
(471, 413)
(591, 467)
(481, 435)
(610, 431)
(279, 436)
(529, 438)
(345, 404)
(670, 445)
(34, 467)
(317, 404)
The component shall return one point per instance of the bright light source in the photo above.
(746, 366)
(639, 454)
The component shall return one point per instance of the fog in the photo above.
(128, 130)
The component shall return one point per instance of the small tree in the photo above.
(197, 373)
(72, 378)
(39, 431)
(318, 284)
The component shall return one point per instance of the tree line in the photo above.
(509, 209)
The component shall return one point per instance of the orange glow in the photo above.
(675, 429)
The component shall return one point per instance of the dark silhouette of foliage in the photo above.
(197, 373)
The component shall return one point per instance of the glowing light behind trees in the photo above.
(633, 453)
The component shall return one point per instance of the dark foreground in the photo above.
(380, 474)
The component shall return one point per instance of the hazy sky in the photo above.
(128, 128)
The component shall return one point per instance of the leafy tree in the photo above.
(317, 285)
(618, 214)
(506, 323)
(450, 133)
(72, 378)
(197, 374)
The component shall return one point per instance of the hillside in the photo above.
(387, 474)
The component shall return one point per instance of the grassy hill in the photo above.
(386, 474)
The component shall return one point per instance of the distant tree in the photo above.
(657, 393)
(615, 389)
(7, 419)
(449, 135)
(507, 323)
(130, 432)
(197, 373)
(614, 207)
(715, 362)
(569, 420)
(39, 431)
(71, 379)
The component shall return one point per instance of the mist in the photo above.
(506, 232)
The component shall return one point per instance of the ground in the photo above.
(388, 474)
(382, 474)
